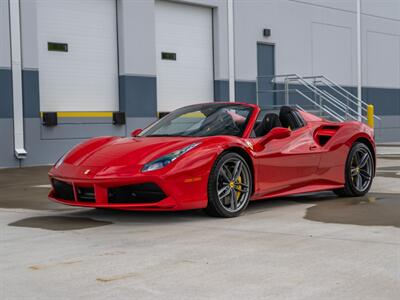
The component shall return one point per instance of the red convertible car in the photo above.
(217, 156)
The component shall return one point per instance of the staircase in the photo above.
(315, 94)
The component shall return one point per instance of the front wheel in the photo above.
(229, 186)
(359, 172)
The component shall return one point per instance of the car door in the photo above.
(286, 164)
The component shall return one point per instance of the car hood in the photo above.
(109, 152)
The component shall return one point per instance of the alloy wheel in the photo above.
(361, 169)
(233, 184)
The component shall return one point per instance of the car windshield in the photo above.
(202, 120)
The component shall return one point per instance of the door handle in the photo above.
(313, 147)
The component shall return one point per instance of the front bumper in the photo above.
(156, 192)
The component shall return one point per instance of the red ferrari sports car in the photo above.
(217, 156)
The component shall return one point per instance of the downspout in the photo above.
(359, 61)
(231, 52)
(15, 38)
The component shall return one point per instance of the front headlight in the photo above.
(167, 159)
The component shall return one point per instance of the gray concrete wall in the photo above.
(137, 64)
(298, 27)
(46, 144)
(137, 46)
(319, 36)
(314, 37)
(137, 79)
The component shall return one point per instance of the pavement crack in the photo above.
(37, 267)
(116, 277)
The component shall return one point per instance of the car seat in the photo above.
(269, 121)
(287, 118)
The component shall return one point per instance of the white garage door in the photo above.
(77, 42)
(184, 55)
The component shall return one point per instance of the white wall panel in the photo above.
(332, 52)
(383, 60)
(389, 9)
(187, 31)
(86, 77)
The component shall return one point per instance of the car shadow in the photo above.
(323, 207)
(198, 215)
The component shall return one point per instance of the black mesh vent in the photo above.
(137, 193)
(63, 190)
(85, 194)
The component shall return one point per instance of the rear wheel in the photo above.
(359, 172)
(229, 186)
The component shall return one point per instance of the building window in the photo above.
(60, 47)
(168, 56)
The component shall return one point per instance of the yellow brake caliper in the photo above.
(239, 186)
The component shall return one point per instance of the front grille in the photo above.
(136, 193)
(85, 194)
(63, 190)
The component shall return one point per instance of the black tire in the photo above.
(217, 205)
(352, 188)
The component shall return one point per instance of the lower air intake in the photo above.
(136, 193)
(63, 190)
(85, 194)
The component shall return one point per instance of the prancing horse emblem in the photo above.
(86, 172)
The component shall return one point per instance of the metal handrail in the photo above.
(347, 108)
(313, 77)
(318, 105)
(333, 114)
(324, 94)
(335, 102)
(329, 111)
(353, 99)
(321, 107)
(356, 101)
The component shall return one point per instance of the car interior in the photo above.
(286, 117)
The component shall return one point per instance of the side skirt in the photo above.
(301, 190)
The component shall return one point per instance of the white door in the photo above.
(184, 55)
(78, 63)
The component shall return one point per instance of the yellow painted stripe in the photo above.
(83, 114)
(195, 114)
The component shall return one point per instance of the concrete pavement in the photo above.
(304, 247)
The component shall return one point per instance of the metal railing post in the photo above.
(257, 90)
(286, 91)
(328, 102)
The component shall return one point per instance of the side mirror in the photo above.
(276, 133)
(136, 132)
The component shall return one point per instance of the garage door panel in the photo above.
(86, 77)
(187, 31)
